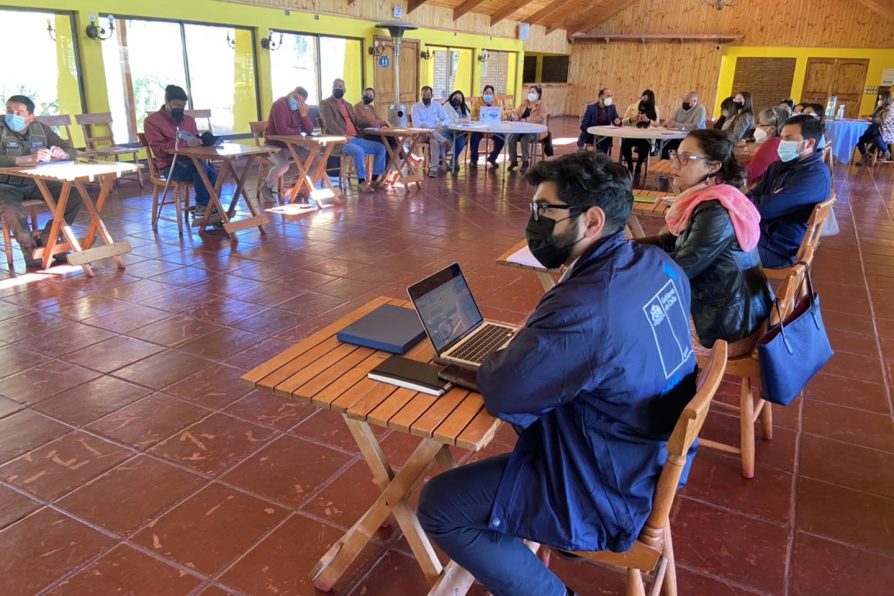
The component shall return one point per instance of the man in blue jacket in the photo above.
(594, 383)
(601, 113)
(789, 190)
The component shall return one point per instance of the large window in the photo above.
(448, 70)
(314, 62)
(500, 70)
(36, 65)
(215, 64)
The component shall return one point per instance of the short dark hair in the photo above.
(491, 87)
(173, 92)
(302, 92)
(602, 92)
(24, 100)
(424, 87)
(587, 179)
(811, 128)
(789, 103)
(718, 147)
(818, 110)
(369, 89)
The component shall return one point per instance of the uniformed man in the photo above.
(25, 142)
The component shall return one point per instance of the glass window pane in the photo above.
(138, 68)
(342, 58)
(222, 78)
(49, 75)
(294, 64)
(499, 70)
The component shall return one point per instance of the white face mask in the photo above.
(532, 97)
(607, 101)
(760, 135)
(879, 103)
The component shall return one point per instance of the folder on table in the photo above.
(388, 328)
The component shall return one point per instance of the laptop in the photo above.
(490, 114)
(452, 321)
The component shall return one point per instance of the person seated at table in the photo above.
(727, 108)
(367, 117)
(162, 129)
(601, 113)
(431, 115)
(593, 413)
(741, 120)
(457, 111)
(713, 235)
(24, 142)
(789, 190)
(766, 135)
(798, 108)
(880, 133)
(642, 114)
(487, 101)
(337, 118)
(787, 104)
(289, 115)
(819, 112)
(691, 115)
(532, 109)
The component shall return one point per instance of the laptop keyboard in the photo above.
(486, 340)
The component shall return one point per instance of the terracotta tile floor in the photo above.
(132, 459)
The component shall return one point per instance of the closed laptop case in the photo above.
(388, 328)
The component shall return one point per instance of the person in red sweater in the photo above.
(769, 125)
(289, 115)
(162, 128)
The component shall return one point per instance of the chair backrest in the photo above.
(814, 230)
(150, 157)
(201, 115)
(61, 122)
(787, 293)
(257, 131)
(685, 431)
(94, 125)
(827, 153)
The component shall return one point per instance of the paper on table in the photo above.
(523, 256)
(651, 200)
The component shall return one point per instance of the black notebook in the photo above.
(388, 328)
(411, 374)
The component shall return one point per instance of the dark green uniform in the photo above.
(14, 189)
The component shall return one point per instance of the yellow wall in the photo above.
(261, 19)
(879, 59)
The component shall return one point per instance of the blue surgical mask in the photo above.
(788, 150)
(15, 123)
(488, 99)
(293, 104)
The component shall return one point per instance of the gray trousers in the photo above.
(13, 213)
(527, 141)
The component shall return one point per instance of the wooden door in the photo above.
(843, 77)
(409, 75)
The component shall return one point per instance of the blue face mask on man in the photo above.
(788, 150)
(15, 122)
(293, 104)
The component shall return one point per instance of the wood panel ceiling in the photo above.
(577, 16)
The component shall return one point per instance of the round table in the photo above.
(844, 135)
(507, 127)
(658, 134)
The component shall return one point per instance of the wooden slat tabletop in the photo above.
(329, 374)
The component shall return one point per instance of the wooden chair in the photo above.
(538, 144)
(828, 156)
(874, 160)
(257, 133)
(32, 205)
(653, 551)
(201, 115)
(61, 122)
(158, 180)
(100, 140)
(809, 244)
(660, 169)
(752, 409)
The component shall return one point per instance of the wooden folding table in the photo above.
(73, 174)
(399, 158)
(312, 168)
(225, 154)
(332, 375)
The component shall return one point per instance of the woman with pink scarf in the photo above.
(713, 235)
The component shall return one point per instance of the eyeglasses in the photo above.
(539, 209)
(683, 158)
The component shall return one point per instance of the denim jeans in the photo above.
(185, 170)
(474, 144)
(358, 148)
(454, 510)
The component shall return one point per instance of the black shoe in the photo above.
(30, 261)
(524, 166)
(493, 161)
(512, 165)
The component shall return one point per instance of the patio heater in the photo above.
(397, 112)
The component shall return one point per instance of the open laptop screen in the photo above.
(446, 307)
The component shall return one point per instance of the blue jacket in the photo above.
(591, 118)
(785, 197)
(596, 380)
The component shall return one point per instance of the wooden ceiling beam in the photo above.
(414, 4)
(467, 6)
(656, 37)
(589, 20)
(550, 11)
(504, 11)
(883, 8)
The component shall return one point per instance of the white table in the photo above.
(658, 134)
(507, 127)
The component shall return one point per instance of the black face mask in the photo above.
(686, 105)
(338, 93)
(739, 104)
(426, 101)
(456, 102)
(543, 245)
(367, 99)
(177, 114)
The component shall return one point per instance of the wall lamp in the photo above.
(95, 31)
(377, 50)
(426, 55)
(231, 41)
(268, 44)
(50, 31)
(483, 56)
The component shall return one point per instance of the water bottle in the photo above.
(830, 106)
(840, 115)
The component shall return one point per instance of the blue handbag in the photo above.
(794, 350)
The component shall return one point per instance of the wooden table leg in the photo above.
(111, 248)
(320, 173)
(392, 500)
(303, 172)
(256, 219)
(213, 191)
(57, 208)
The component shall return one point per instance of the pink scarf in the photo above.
(744, 215)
